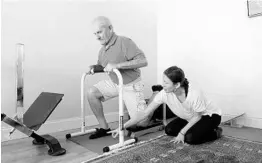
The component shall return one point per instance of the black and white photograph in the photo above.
(131, 81)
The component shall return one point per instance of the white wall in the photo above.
(215, 42)
(59, 45)
(219, 48)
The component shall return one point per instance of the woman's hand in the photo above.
(114, 133)
(180, 138)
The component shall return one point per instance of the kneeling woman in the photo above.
(198, 118)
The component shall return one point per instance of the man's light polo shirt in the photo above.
(120, 49)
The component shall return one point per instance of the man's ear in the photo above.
(111, 28)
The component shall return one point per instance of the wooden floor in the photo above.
(22, 150)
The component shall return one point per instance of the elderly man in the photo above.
(117, 52)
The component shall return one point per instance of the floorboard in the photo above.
(22, 150)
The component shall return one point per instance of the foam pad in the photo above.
(41, 109)
(157, 88)
(98, 68)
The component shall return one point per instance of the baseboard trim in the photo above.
(59, 125)
(73, 123)
(245, 121)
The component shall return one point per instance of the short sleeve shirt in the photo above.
(120, 49)
(196, 102)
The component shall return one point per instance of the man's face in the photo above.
(103, 33)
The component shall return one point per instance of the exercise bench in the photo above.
(34, 117)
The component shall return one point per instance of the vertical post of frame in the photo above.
(20, 81)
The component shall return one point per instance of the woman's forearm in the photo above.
(134, 121)
(141, 115)
(191, 123)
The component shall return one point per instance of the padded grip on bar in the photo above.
(157, 88)
(98, 68)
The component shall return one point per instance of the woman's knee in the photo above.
(174, 127)
(170, 131)
(193, 139)
(189, 138)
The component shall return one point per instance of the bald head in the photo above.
(102, 21)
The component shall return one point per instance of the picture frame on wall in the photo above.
(254, 8)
